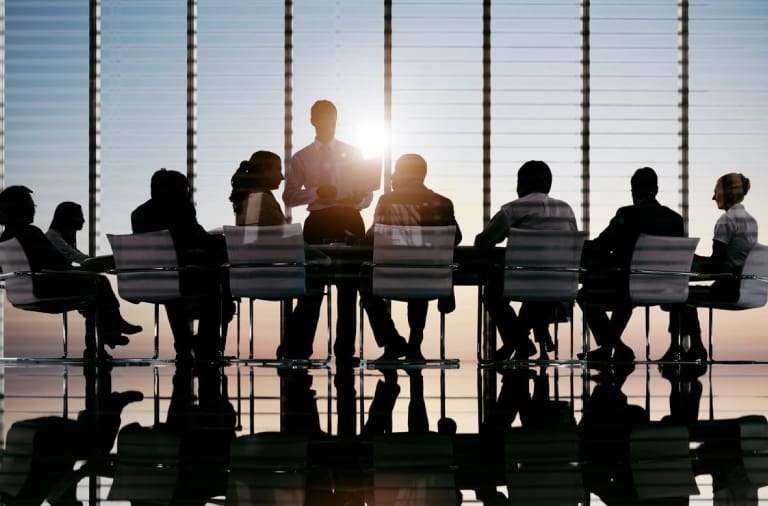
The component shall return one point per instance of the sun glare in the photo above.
(371, 139)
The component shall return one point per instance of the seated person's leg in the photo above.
(181, 326)
(417, 320)
(383, 327)
(600, 326)
(506, 321)
(346, 321)
(300, 328)
(619, 319)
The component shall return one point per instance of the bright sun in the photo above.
(371, 139)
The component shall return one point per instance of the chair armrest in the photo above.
(653, 272)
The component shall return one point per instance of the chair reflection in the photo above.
(530, 447)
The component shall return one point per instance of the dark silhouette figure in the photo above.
(612, 250)
(170, 208)
(67, 221)
(735, 235)
(252, 183)
(55, 444)
(409, 203)
(533, 209)
(205, 425)
(604, 430)
(17, 212)
(314, 179)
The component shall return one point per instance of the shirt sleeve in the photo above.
(73, 255)
(294, 193)
(495, 232)
(724, 230)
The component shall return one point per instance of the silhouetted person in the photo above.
(205, 430)
(735, 235)
(170, 208)
(55, 444)
(409, 203)
(533, 209)
(17, 212)
(604, 429)
(313, 180)
(252, 185)
(67, 221)
(613, 249)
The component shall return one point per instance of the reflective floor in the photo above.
(525, 434)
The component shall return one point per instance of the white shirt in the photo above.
(316, 165)
(737, 229)
(537, 211)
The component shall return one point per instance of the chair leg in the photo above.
(647, 333)
(156, 331)
(362, 326)
(711, 358)
(442, 336)
(65, 332)
(250, 329)
(330, 323)
(237, 353)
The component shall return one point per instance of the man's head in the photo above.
(533, 176)
(16, 206)
(169, 185)
(645, 184)
(323, 118)
(410, 169)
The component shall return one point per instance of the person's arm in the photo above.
(495, 232)
(295, 193)
(73, 255)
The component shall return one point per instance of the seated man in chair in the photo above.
(613, 249)
(409, 203)
(533, 209)
(170, 208)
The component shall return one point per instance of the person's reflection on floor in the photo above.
(380, 411)
(299, 410)
(719, 453)
(58, 443)
(346, 407)
(604, 429)
(205, 430)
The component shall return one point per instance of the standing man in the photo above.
(613, 249)
(409, 203)
(315, 179)
(533, 209)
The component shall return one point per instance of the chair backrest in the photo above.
(413, 470)
(18, 289)
(268, 469)
(542, 466)
(413, 262)
(146, 265)
(542, 265)
(660, 269)
(147, 468)
(661, 462)
(753, 289)
(266, 261)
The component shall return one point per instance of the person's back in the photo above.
(613, 248)
(533, 209)
(410, 203)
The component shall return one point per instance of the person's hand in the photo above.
(326, 191)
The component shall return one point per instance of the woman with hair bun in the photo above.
(735, 235)
(252, 185)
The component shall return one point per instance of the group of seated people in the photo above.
(334, 216)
